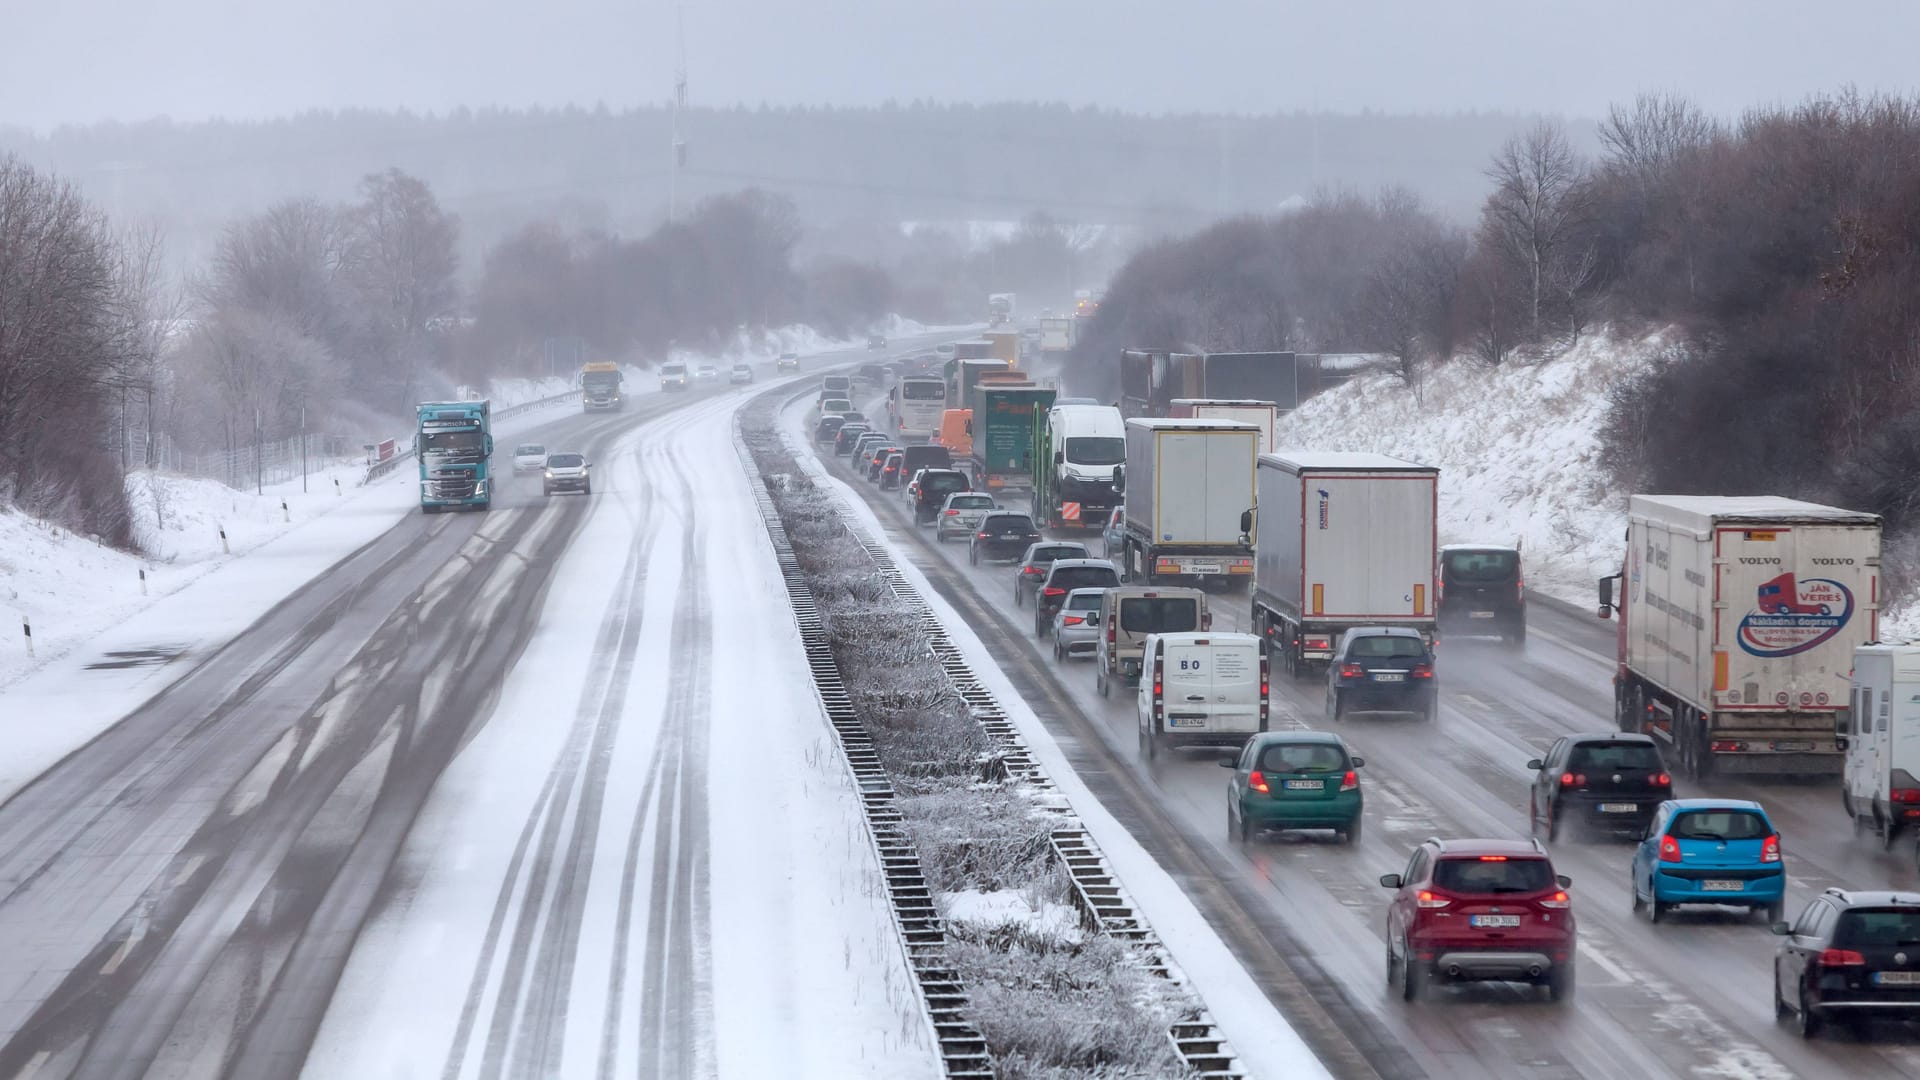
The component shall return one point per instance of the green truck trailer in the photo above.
(1005, 421)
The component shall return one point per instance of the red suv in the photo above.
(1478, 910)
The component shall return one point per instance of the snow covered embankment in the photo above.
(1518, 450)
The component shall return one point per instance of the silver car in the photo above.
(961, 514)
(1076, 626)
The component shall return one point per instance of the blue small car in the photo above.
(1709, 851)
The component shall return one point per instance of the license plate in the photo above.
(1722, 886)
(1203, 568)
(1618, 807)
(1306, 785)
(1389, 676)
(1896, 978)
(1009, 536)
(1496, 922)
(1483, 614)
(1187, 721)
(1793, 747)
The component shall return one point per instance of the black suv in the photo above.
(1849, 954)
(1606, 783)
(1004, 535)
(1381, 669)
(844, 439)
(1033, 567)
(828, 427)
(931, 495)
(1064, 576)
(1482, 593)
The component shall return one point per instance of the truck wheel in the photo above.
(1889, 831)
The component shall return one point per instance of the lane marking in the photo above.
(1594, 955)
(33, 1065)
(134, 938)
(186, 872)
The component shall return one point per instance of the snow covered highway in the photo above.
(537, 792)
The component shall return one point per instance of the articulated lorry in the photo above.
(1078, 448)
(1005, 416)
(1738, 621)
(999, 308)
(600, 387)
(1150, 381)
(455, 442)
(1264, 415)
(1189, 501)
(1346, 540)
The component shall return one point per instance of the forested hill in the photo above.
(594, 168)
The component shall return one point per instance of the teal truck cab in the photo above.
(454, 442)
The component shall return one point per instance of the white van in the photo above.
(836, 386)
(1881, 735)
(1201, 689)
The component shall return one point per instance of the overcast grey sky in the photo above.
(64, 61)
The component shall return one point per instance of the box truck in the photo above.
(1188, 493)
(1346, 540)
(1264, 415)
(1738, 620)
(1003, 423)
(1879, 732)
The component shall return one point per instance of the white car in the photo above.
(742, 373)
(529, 457)
(961, 514)
(707, 373)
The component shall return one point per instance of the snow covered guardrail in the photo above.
(1105, 906)
(381, 468)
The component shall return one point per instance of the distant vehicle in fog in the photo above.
(742, 373)
(788, 361)
(529, 457)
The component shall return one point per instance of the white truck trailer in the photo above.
(1189, 497)
(1738, 621)
(1264, 415)
(1346, 540)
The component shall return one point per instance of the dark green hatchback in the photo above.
(1294, 780)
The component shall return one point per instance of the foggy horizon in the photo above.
(205, 59)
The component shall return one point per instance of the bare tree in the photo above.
(1650, 136)
(1538, 204)
(404, 270)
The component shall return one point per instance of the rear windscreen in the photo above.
(1719, 825)
(971, 502)
(530, 448)
(1085, 577)
(943, 482)
(1049, 554)
(1475, 875)
(1010, 523)
(923, 390)
(930, 455)
(1604, 756)
(1866, 928)
(1490, 566)
(1159, 614)
(1083, 601)
(1303, 757)
(1386, 648)
(836, 382)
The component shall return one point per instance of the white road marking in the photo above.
(1596, 956)
(126, 948)
(186, 872)
(33, 1065)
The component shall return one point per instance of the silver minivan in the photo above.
(1201, 689)
(1128, 614)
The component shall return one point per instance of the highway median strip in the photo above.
(1051, 965)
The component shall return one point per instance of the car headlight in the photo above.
(480, 487)
(549, 474)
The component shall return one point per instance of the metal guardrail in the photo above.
(917, 922)
(381, 468)
(1104, 904)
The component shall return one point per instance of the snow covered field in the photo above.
(1518, 450)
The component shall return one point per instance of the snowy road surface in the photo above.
(535, 792)
(1688, 997)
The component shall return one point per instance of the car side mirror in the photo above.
(1358, 761)
(1390, 881)
(1227, 763)
(1564, 880)
(1093, 620)
(1842, 742)
(1536, 764)
(1119, 479)
(1059, 457)
(1784, 929)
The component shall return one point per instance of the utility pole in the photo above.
(679, 104)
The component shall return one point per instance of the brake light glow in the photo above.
(1493, 858)
(1264, 684)
(1053, 590)
(1422, 671)
(1258, 782)
(1350, 781)
(1159, 704)
(982, 536)
(1662, 780)
(1557, 900)
(1911, 795)
(1034, 570)
(1071, 620)
(1841, 958)
(1669, 849)
(1573, 779)
(1728, 746)
(1352, 671)
(1430, 899)
(1770, 850)
(952, 513)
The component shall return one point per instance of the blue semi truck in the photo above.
(454, 441)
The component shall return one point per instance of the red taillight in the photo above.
(1557, 900)
(1669, 849)
(1350, 781)
(1257, 782)
(1159, 705)
(1070, 620)
(1493, 858)
(1841, 958)
(1662, 780)
(1430, 899)
(1352, 671)
(1422, 671)
(1030, 570)
(952, 513)
(1053, 590)
(1770, 851)
(1264, 684)
(982, 536)
(1572, 779)
(1904, 795)
(1112, 630)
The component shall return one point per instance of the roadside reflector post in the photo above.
(26, 627)
(143, 581)
(336, 487)
(286, 516)
(225, 548)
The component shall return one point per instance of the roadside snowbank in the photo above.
(1518, 450)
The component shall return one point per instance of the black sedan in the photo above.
(827, 428)
(1002, 536)
(848, 435)
(1381, 669)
